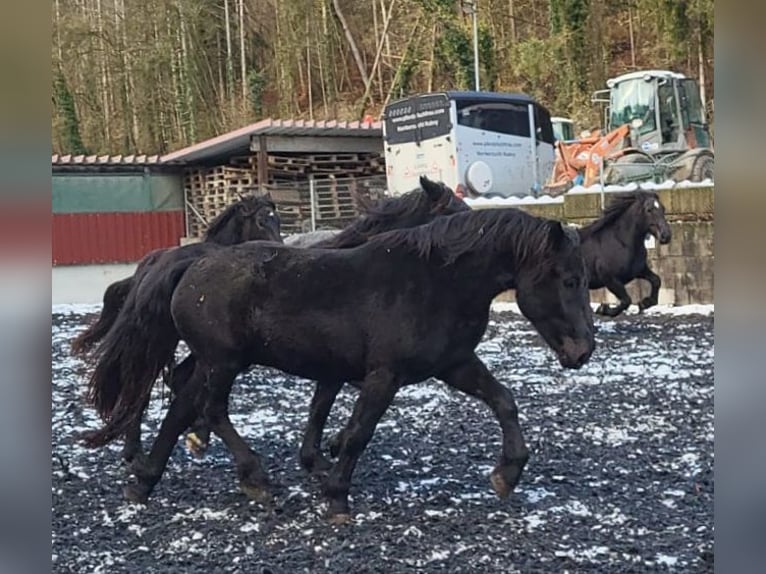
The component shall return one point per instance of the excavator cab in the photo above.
(668, 106)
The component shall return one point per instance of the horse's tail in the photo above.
(114, 298)
(133, 353)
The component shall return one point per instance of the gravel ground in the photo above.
(620, 477)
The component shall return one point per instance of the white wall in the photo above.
(85, 283)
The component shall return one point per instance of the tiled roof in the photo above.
(68, 159)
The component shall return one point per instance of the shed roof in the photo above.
(239, 140)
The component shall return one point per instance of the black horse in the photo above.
(250, 218)
(402, 307)
(419, 206)
(614, 250)
(408, 210)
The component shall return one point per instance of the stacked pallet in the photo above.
(210, 190)
(336, 201)
(339, 178)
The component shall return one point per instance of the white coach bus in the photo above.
(479, 143)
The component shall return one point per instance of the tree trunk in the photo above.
(431, 60)
(701, 65)
(378, 51)
(512, 14)
(351, 43)
(243, 63)
(632, 38)
(308, 69)
(229, 56)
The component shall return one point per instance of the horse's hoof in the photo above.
(505, 478)
(499, 485)
(340, 518)
(196, 445)
(259, 494)
(136, 493)
(601, 309)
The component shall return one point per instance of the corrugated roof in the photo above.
(239, 140)
(69, 159)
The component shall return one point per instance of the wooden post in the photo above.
(263, 165)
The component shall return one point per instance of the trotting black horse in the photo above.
(250, 218)
(614, 250)
(419, 206)
(402, 307)
(408, 210)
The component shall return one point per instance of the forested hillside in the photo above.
(153, 75)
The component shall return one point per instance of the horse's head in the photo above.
(553, 294)
(260, 218)
(442, 199)
(653, 213)
(416, 207)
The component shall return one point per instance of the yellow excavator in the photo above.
(655, 131)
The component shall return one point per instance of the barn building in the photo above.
(108, 211)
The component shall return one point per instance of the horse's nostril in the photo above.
(582, 359)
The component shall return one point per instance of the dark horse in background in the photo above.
(614, 249)
(408, 210)
(396, 310)
(250, 218)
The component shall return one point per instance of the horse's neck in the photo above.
(630, 234)
(227, 235)
(622, 230)
(482, 276)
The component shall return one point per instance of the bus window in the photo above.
(544, 125)
(504, 118)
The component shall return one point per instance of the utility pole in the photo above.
(470, 8)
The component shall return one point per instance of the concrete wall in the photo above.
(685, 265)
(72, 284)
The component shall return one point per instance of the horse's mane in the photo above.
(220, 229)
(377, 216)
(490, 230)
(619, 204)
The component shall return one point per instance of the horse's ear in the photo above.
(557, 234)
(433, 190)
(267, 196)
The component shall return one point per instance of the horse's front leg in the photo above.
(655, 281)
(618, 290)
(321, 403)
(374, 398)
(473, 378)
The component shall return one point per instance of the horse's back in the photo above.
(317, 312)
(310, 238)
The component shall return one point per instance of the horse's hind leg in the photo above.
(198, 439)
(132, 446)
(310, 454)
(376, 395)
(618, 290)
(655, 281)
(148, 469)
(474, 379)
(252, 478)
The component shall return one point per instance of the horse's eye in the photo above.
(571, 283)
